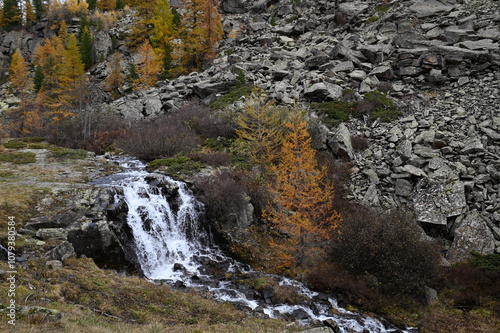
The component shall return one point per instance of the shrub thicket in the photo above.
(387, 250)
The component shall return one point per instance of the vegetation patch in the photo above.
(15, 144)
(68, 153)
(18, 157)
(234, 94)
(490, 262)
(336, 112)
(32, 139)
(176, 165)
(375, 105)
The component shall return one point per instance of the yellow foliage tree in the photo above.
(18, 72)
(106, 4)
(302, 206)
(30, 13)
(115, 78)
(260, 130)
(148, 67)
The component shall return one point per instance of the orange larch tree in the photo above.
(18, 72)
(301, 209)
(148, 67)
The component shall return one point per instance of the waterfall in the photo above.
(173, 246)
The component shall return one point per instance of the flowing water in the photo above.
(174, 247)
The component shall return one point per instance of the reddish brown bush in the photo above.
(359, 142)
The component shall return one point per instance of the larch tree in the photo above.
(201, 30)
(30, 13)
(143, 28)
(115, 78)
(72, 73)
(261, 131)
(18, 72)
(164, 30)
(301, 209)
(106, 5)
(148, 67)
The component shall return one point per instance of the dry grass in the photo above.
(93, 300)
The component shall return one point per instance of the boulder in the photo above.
(435, 200)
(61, 252)
(472, 234)
(340, 142)
(323, 91)
(233, 6)
(206, 88)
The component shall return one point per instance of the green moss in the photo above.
(232, 96)
(15, 144)
(32, 139)
(67, 153)
(372, 19)
(176, 165)
(384, 109)
(335, 112)
(382, 9)
(38, 145)
(18, 158)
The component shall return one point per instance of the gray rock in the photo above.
(340, 142)
(61, 252)
(403, 187)
(471, 235)
(323, 91)
(436, 200)
(472, 145)
(414, 171)
(233, 6)
(427, 8)
(206, 88)
(383, 72)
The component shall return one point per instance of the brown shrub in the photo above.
(213, 158)
(158, 139)
(388, 247)
(359, 142)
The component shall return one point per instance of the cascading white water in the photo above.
(168, 234)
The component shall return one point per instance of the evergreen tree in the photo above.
(86, 43)
(92, 4)
(39, 8)
(12, 15)
(38, 79)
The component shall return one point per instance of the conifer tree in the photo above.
(18, 72)
(148, 67)
(39, 8)
(106, 5)
(30, 13)
(163, 32)
(72, 72)
(12, 15)
(86, 44)
(261, 131)
(38, 79)
(115, 78)
(302, 205)
(202, 29)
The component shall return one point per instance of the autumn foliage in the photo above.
(301, 209)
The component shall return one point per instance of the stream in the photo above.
(174, 246)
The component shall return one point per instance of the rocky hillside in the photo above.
(438, 61)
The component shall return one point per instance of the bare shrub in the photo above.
(223, 193)
(159, 139)
(359, 142)
(213, 158)
(205, 122)
(388, 247)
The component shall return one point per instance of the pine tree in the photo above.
(39, 8)
(38, 79)
(18, 72)
(148, 67)
(12, 15)
(92, 4)
(86, 44)
(302, 206)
